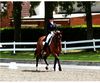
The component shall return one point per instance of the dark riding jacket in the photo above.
(51, 27)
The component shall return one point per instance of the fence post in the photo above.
(14, 48)
(0, 45)
(64, 46)
(94, 45)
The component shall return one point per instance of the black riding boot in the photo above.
(45, 46)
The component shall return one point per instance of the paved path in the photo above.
(52, 61)
(69, 73)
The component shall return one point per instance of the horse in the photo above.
(54, 49)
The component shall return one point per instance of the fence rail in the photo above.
(93, 45)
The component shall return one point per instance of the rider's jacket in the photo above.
(51, 27)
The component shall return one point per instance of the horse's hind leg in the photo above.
(45, 59)
(37, 59)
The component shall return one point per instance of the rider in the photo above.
(51, 28)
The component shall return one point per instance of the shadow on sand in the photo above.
(36, 71)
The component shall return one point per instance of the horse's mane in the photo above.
(55, 40)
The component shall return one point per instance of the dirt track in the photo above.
(30, 74)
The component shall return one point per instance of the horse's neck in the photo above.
(56, 42)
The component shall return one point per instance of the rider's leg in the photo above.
(45, 45)
(47, 42)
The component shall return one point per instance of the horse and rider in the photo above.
(51, 29)
(50, 44)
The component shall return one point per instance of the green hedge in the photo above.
(69, 34)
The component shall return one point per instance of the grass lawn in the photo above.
(79, 56)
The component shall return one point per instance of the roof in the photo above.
(63, 15)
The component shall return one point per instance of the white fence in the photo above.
(14, 49)
(93, 45)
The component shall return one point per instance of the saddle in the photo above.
(45, 38)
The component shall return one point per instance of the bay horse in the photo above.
(54, 49)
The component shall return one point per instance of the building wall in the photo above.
(96, 20)
(82, 20)
(40, 22)
(77, 21)
(6, 22)
(25, 9)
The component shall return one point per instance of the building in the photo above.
(80, 19)
(5, 20)
(38, 19)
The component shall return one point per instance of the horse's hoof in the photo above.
(46, 68)
(60, 69)
(54, 68)
(36, 70)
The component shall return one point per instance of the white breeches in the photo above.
(49, 37)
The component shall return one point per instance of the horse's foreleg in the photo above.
(45, 59)
(55, 61)
(37, 59)
(60, 69)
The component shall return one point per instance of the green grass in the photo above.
(19, 55)
(79, 56)
(82, 56)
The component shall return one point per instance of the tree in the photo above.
(3, 11)
(87, 7)
(67, 7)
(33, 6)
(17, 20)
